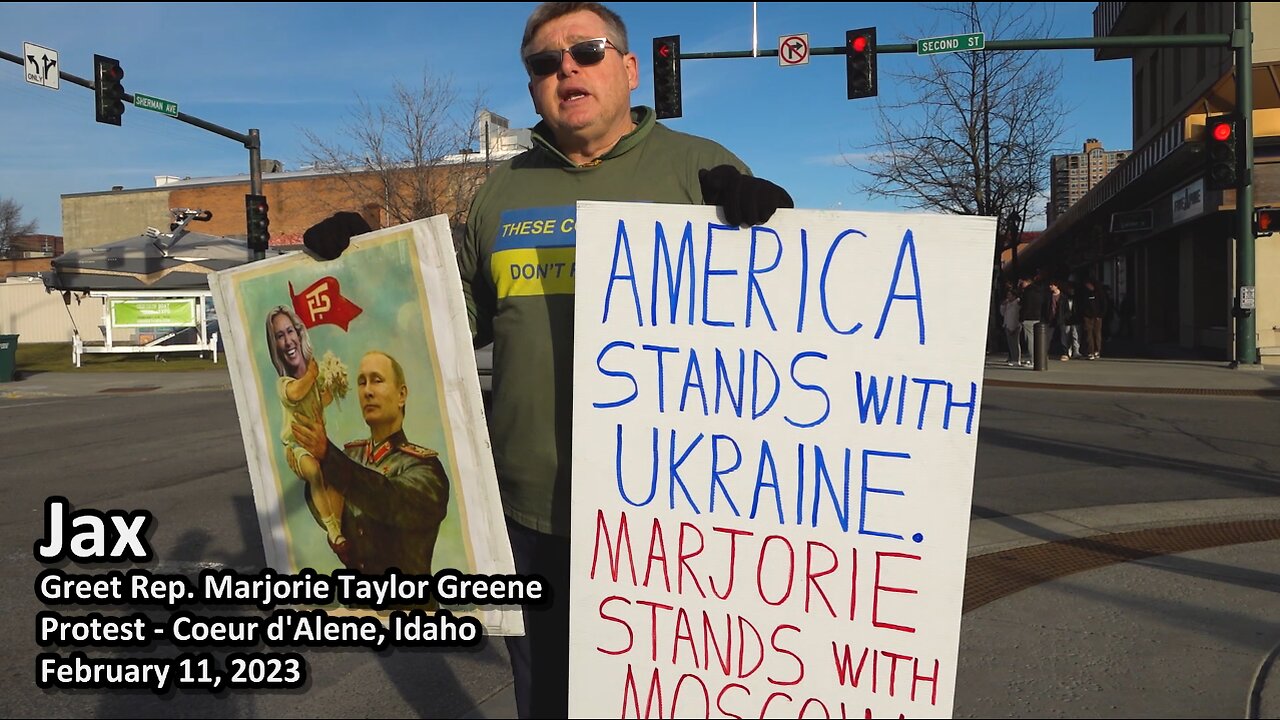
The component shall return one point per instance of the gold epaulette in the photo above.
(418, 451)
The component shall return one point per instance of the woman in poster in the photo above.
(303, 392)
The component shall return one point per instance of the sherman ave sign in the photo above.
(146, 102)
(951, 43)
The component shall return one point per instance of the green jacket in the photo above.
(517, 274)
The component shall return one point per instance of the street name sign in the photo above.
(146, 102)
(951, 43)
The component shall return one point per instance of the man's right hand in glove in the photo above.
(331, 236)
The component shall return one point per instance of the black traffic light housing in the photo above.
(255, 209)
(1222, 155)
(666, 76)
(107, 90)
(1266, 220)
(860, 59)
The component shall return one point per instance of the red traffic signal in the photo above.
(255, 207)
(666, 76)
(1222, 158)
(107, 90)
(860, 62)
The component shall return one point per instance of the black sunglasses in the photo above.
(585, 53)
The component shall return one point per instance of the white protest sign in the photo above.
(773, 453)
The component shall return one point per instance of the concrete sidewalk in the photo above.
(1192, 377)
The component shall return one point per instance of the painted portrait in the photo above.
(358, 457)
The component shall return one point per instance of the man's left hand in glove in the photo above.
(746, 200)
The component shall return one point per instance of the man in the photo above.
(1069, 323)
(590, 145)
(396, 492)
(1093, 308)
(1033, 309)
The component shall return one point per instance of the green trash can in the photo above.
(8, 357)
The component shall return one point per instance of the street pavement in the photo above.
(1154, 610)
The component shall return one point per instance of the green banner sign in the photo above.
(146, 102)
(951, 43)
(177, 312)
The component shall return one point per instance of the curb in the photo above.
(1228, 392)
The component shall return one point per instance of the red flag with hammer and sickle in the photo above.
(322, 304)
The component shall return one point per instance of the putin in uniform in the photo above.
(396, 492)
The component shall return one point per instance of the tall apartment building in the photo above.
(1071, 176)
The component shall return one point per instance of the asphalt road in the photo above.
(180, 456)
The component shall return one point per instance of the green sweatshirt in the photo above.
(517, 275)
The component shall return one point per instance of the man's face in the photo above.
(381, 397)
(288, 345)
(583, 103)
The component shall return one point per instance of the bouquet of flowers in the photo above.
(333, 376)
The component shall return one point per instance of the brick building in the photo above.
(297, 200)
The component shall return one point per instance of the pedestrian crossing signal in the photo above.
(1266, 220)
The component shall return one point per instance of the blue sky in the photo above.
(285, 68)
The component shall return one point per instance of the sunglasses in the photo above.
(585, 53)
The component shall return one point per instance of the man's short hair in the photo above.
(395, 366)
(546, 12)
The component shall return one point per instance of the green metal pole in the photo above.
(1246, 342)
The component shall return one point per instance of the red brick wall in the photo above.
(295, 204)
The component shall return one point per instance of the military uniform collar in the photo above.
(374, 454)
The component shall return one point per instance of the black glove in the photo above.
(329, 237)
(746, 200)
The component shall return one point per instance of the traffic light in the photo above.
(666, 76)
(1221, 135)
(255, 208)
(107, 89)
(1266, 220)
(860, 57)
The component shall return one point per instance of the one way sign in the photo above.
(42, 65)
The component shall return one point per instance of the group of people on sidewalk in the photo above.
(1066, 308)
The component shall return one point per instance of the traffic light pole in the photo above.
(1242, 40)
(252, 141)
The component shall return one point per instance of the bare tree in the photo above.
(417, 155)
(12, 225)
(973, 132)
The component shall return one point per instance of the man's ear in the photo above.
(633, 70)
